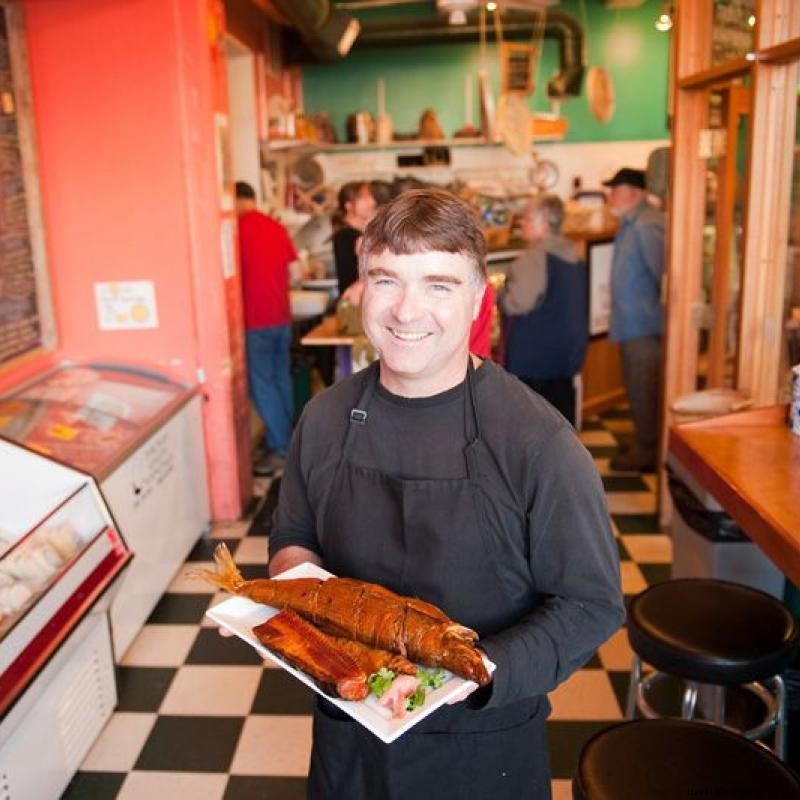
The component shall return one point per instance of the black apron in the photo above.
(441, 540)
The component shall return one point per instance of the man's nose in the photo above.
(408, 306)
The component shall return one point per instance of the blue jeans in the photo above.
(270, 379)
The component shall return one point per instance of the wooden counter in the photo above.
(750, 463)
(327, 333)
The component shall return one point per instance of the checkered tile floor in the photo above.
(201, 716)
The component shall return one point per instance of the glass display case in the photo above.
(140, 436)
(59, 552)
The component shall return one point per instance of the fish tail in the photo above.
(226, 576)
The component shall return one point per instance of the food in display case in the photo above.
(84, 416)
(59, 552)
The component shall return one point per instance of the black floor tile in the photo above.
(619, 683)
(592, 424)
(593, 663)
(252, 571)
(180, 609)
(280, 693)
(211, 648)
(191, 744)
(606, 451)
(624, 555)
(143, 688)
(624, 483)
(567, 737)
(251, 787)
(621, 412)
(656, 573)
(252, 506)
(94, 786)
(262, 521)
(637, 523)
(204, 549)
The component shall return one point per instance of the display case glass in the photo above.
(59, 552)
(88, 416)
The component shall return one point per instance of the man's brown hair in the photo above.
(425, 221)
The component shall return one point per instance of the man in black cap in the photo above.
(637, 313)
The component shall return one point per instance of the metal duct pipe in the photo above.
(559, 25)
(328, 33)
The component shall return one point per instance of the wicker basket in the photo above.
(497, 236)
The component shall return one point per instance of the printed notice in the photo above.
(126, 305)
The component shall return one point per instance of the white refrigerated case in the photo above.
(140, 436)
(61, 558)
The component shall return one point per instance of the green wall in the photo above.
(624, 41)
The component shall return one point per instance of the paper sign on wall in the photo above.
(126, 305)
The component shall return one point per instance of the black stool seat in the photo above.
(712, 631)
(664, 759)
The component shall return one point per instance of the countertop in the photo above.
(750, 462)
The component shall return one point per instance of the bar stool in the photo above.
(668, 758)
(708, 631)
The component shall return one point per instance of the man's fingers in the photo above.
(225, 632)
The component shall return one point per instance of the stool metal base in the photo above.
(770, 692)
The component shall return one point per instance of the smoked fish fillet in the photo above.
(304, 647)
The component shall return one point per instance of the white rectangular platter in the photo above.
(241, 615)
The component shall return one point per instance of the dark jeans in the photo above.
(641, 374)
(559, 392)
(269, 374)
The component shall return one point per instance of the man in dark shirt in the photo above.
(265, 253)
(441, 476)
(637, 313)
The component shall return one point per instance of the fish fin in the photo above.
(227, 575)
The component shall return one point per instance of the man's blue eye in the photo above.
(440, 287)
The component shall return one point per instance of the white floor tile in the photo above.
(562, 789)
(170, 785)
(633, 581)
(120, 743)
(183, 585)
(587, 694)
(616, 653)
(273, 745)
(649, 549)
(160, 646)
(252, 550)
(631, 502)
(212, 690)
(597, 438)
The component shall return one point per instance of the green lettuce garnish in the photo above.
(380, 681)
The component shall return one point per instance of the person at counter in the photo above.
(437, 474)
(637, 313)
(545, 308)
(356, 205)
(265, 252)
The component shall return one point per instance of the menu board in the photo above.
(20, 322)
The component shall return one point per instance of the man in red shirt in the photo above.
(265, 253)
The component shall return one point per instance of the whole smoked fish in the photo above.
(365, 612)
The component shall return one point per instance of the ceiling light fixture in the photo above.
(664, 19)
(751, 20)
(491, 6)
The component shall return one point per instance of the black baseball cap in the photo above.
(627, 176)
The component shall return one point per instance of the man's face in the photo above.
(417, 311)
(533, 227)
(622, 198)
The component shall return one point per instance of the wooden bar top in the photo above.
(750, 463)
(327, 333)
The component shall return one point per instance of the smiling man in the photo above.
(438, 475)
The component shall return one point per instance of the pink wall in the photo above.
(124, 95)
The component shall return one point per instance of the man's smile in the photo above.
(408, 336)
